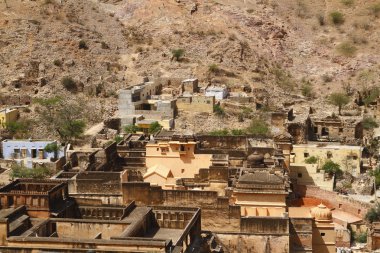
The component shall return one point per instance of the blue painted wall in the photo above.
(9, 147)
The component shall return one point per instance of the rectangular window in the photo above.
(340, 130)
(323, 234)
(299, 175)
(305, 155)
(34, 153)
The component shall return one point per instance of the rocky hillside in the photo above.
(103, 45)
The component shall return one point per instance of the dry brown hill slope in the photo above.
(105, 45)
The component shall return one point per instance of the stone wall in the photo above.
(265, 225)
(88, 230)
(301, 234)
(217, 214)
(223, 142)
(98, 182)
(334, 200)
(245, 243)
(196, 103)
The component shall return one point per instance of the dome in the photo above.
(321, 213)
(255, 158)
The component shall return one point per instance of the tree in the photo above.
(373, 214)
(154, 127)
(64, 117)
(339, 99)
(258, 128)
(370, 96)
(332, 168)
(52, 147)
(177, 53)
(131, 129)
(369, 123)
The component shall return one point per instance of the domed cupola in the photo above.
(321, 213)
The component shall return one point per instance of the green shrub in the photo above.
(369, 123)
(370, 96)
(118, 138)
(348, 2)
(19, 129)
(223, 132)
(131, 129)
(307, 90)
(258, 128)
(69, 83)
(337, 17)
(20, 171)
(347, 49)
(283, 78)
(218, 110)
(104, 45)
(311, 160)
(177, 53)
(326, 78)
(154, 127)
(376, 173)
(57, 63)
(82, 44)
(361, 238)
(373, 214)
(237, 132)
(213, 68)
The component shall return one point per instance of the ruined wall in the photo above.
(244, 243)
(334, 200)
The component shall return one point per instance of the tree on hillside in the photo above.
(61, 116)
(339, 100)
